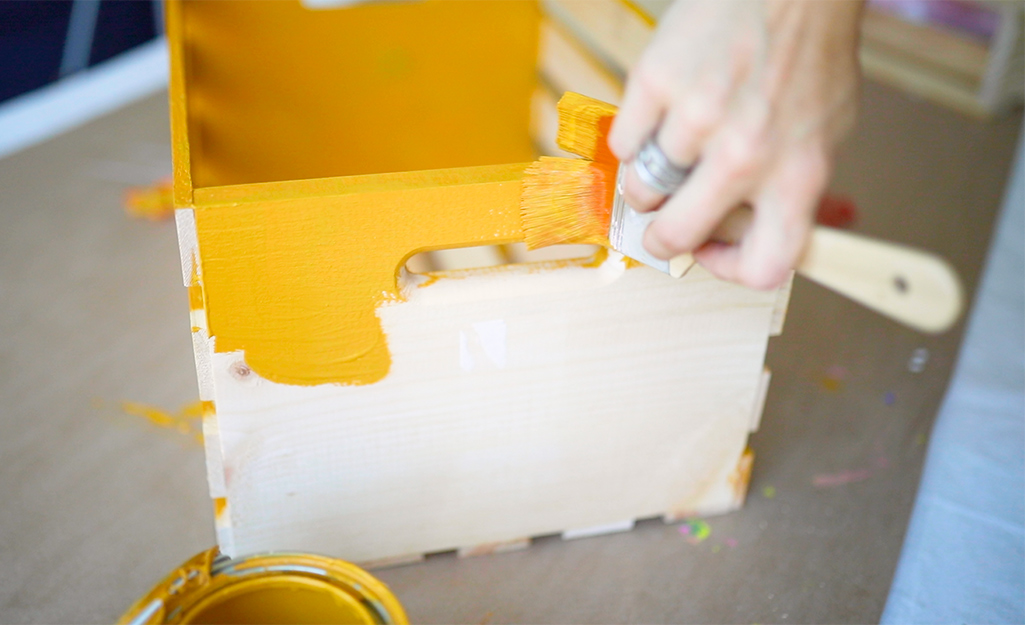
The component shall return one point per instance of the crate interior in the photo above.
(279, 91)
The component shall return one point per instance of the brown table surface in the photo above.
(98, 505)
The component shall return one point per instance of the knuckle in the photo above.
(670, 237)
(764, 274)
(807, 175)
(742, 152)
(649, 79)
(818, 167)
(700, 115)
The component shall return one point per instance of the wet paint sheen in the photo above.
(292, 273)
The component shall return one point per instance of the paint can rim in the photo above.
(210, 581)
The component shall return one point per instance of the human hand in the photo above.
(756, 94)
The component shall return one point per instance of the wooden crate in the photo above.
(362, 410)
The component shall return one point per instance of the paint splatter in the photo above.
(833, 381)
(919, 358)
(151, 202)
(920, 439)
(731, 542)
(187, 421)
(838, 372)
(828, 480)
(769, 492)
(695, 531)
(716, 548)
(889, 398)
(836, 211)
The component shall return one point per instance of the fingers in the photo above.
(685, 128)
(688, 218)
(731, 167)
(781, 228)
(762, 260)
(643, 106)
(638, 194)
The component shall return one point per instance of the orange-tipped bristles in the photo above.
(567, 201)
(584, 125)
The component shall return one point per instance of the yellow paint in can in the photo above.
(272, 588)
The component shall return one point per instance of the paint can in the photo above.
(269, 588)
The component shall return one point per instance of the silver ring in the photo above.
(655, 169)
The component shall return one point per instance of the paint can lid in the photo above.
(267, 588)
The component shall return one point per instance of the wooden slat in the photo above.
(544, 123)
(779, 313)
(940, 49)
(909, 77)
(759, 404)
(487, 549)
(566, 65)
(510, 389)
(614, 31)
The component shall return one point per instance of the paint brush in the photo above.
(567, 200)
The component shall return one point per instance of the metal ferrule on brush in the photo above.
(627, 226)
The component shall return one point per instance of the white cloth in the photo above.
(963, 559)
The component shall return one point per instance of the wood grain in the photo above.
(517, 388)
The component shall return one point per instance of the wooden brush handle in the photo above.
(916, 288)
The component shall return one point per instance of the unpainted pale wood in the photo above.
(518, 252)
(487, 549)
(909, 77)
(383, 563)
(614, 31)
(762, 394)
(566, 65)
(724, 494)
(523, 400)
(932, 45)
(916, 288)
(779, 314)
(599, 530)
(544, 123)
(466, 258)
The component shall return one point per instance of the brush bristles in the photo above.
(583, 125)
(566, 200)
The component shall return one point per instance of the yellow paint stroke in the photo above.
(195, 289)
(186, 421)
(292, 273)
(831, 384)
(220, 507)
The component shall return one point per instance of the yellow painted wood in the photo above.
(293, 272)
(276, 91)
(181, 186)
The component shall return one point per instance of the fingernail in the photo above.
(655, 247)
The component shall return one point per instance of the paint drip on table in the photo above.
(850, 476)
(187, 420)
(695, 531)
(834, 379)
